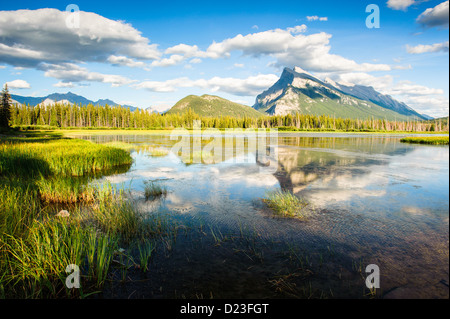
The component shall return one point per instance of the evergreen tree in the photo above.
(5, 108)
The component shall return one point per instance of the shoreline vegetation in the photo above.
(60, 116)
(430, 140)
(74, 131)
(41, 175)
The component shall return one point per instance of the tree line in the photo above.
(90, 116)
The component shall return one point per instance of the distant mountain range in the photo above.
(67, 98)
(299, 91)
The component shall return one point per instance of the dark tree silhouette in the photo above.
(5, 108)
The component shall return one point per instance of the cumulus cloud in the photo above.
(429, 48)
(184, 49)
(400, 4)
(289, 48)
(18, 84)
(410, 89)
(436, 106)
(64, 85)
(29, 37)
(69, 72)
(164, 86)
(172, 60)
(124, 61)
(435, 17)
(250, 86)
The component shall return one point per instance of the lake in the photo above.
(372, 200)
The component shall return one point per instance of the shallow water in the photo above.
(373, 200)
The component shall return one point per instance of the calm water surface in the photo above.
(373, 200)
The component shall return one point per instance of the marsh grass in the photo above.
(285, 204)
(145, 253)
(431, 140)
(157, 151)
(65, 157)
(34, 257)
(65, 190)
(153, 190)
(36, 176)
(121, 145)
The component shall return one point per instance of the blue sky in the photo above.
(155, 53)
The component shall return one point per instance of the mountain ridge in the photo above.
(299, 91)
(64, 98)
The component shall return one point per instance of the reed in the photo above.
(145, 253)
(285, 203)
(154, 190)
(35, 245)
(64, 157)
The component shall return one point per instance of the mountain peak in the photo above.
(299, 91)
(300, 70)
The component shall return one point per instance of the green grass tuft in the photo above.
(154, 191)
(431, 140)
(285, 203)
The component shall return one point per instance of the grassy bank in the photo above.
(41, 175)
(431, 140)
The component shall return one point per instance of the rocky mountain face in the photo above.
(368, 93)
(300, 91)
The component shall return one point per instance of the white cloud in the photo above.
(64, 85)
(184, 49)
(298, 29)
(124, 61)
(250, 86)
(400, 4)
(435, 17)
(410, 89)
(238, 65)
(402, 67)
(429, 48)
(195, 61)
(436, 106)
(379, 83)
(312, 52)
(29, 37)
(18, 84)
(69, 72)
(172, 60)
(164, 86)
(2, 66)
